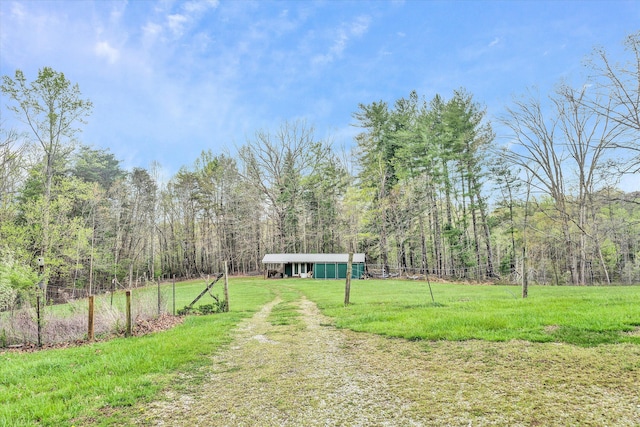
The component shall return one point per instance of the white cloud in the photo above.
(200, 6)
(360, 26)
(105, 50)
(180, 21)
(341, 38)
(476, 50)
(117, 12)
(192, 11)
(17, 11)
(177, 23)
(340, 43)
(151, 31)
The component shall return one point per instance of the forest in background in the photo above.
(428, 188)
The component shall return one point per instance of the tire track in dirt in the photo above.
(312, 374)
(287, 376)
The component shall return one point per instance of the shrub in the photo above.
(16, 279)
(218, 306)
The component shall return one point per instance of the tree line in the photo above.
(427, 189)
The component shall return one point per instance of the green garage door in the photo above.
(325, 270)
(330, 271)
(337, 271)
(358, 271)
(319, 271)
(342, 271)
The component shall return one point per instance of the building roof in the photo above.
(290, 258)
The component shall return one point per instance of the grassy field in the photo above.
(97, 384)
(88, 384)
(583, 316)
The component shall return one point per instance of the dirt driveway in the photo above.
(312, 374)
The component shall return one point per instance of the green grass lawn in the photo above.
(583, 316)
(88, 384)
(99, 383)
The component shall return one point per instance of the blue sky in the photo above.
(169, 79)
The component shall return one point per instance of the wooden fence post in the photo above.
(159, 298)
(226, 287)
(347, 285)
(38, 303)
(90, 331)
(174, 294)
(128, 309)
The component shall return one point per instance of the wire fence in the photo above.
(378, 271)
(545, 275)
(33, 321)
(61, 314)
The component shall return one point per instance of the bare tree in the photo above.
(589, 138)
(536, 153)
(617, 86)
(563, 148)
(275, 164)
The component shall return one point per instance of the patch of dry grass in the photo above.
(69, 322)
(285, 375)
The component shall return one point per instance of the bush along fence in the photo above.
(35, 323)
(31, 320)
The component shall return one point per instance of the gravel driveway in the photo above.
(312, 374)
